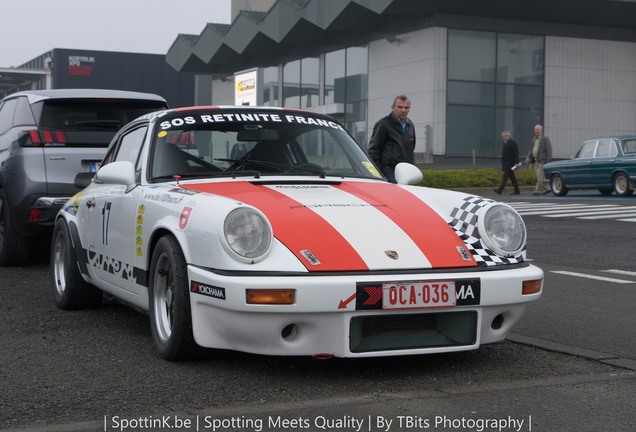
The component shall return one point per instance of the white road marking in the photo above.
(587, 276)
(580, 211)
(622, 272)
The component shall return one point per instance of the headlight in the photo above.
(247, 234)
(502, 230)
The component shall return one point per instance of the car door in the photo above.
(579, 167)
(112, 222)
(602, 164)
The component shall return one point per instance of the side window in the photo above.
(128, 148)
(629, 146)
(587, 151)
(23, 113)
(603, 149)
(130, 145)
(6, 115)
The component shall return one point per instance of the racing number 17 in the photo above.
(105, 219)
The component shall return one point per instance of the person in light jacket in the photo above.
(540, 154)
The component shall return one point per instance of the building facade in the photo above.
(471, 69)
(71, 68)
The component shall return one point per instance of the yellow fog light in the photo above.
(271, 296)
(531, 286)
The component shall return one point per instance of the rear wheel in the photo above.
(14, 248)
(170, 314)
(70, 290)
(621, 185)
(558, 185)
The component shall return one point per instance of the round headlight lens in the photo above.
(248, 234)
(502, 230)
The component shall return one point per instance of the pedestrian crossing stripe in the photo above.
(579, 211)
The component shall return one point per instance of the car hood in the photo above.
(351, 226)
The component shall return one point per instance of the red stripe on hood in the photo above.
(435, 238)
(308, 231)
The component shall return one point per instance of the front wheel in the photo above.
(70, 290)
(170, 315)
(622, 186)
(558, 185)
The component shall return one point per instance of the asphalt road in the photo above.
(570, 365)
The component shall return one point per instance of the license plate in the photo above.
(93, 166)
(418, 294)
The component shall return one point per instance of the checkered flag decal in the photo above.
(464, 222)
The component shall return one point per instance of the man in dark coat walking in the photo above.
(509, 163)
(393, 139)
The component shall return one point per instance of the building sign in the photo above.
(80, 65)
(245, 88)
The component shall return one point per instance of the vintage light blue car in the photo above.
(607, 164)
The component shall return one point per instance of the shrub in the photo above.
(474, 177)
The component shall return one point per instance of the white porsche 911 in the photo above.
(269, 231)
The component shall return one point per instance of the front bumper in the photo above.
(326, 319)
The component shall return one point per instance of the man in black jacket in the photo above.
(393, 139)
(509, 163)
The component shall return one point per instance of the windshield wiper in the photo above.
(308, 168)
(238, 173)
(256, 163)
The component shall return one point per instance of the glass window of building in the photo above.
(334, 77)
(495, 82)
(270, 86)
(301, 83)
(345, 82)
(356, 93)
(309, 82)
(291, 84)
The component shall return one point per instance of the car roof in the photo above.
(612, 137)
(38, 95)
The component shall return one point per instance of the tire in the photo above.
(606, 191)
(621, 185)
(558, 185)
(169, 296)
(70, 290)
(14, 248)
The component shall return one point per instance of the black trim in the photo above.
(80, 252)
(406, 272)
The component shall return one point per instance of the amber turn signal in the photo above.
(531, 286)
(271, 296)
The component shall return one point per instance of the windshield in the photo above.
(255, 144)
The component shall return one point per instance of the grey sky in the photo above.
(32, 27)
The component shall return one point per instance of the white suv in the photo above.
(46, 138)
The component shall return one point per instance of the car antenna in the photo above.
(177, 177)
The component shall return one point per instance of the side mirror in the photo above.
(408, 174)
(119, 173)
